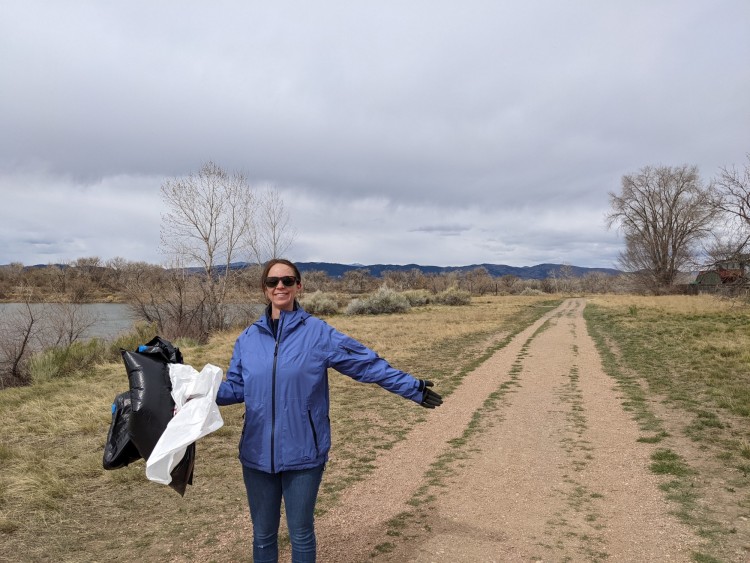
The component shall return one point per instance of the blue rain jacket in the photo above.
(283, 382)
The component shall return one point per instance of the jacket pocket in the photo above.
(253, 443)
(314, 432)
(298, 439)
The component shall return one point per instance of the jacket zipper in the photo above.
(312, 426)
(273, 395)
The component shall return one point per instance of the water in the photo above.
(109, 319)
(113, 319)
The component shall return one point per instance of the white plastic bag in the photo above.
(196, 416)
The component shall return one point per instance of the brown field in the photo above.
(682, 362)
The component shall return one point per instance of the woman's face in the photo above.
(281, 297)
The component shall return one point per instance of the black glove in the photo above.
(430, 399)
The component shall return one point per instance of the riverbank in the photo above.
(34, 296)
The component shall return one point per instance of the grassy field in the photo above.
(683, 363)
(58, 504)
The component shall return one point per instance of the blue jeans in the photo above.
(264, 493)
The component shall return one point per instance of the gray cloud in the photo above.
(387, 125)
(442, 230)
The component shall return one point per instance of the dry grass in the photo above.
(680, 304)
(688, 358)
(56, 503)
(683, 363)
(692, 349)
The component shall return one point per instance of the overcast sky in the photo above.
(430, 132)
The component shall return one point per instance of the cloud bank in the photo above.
(431, 133)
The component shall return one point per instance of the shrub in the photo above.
(141, 333)
(418, 297)
(381, 302)
(320, 303)
(186, 342)
(64, 361)
(531, 291)
(453, 296)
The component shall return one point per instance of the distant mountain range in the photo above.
(538, 272)
(334, 270)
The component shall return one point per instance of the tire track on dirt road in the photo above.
(351, 530)
(556, 473)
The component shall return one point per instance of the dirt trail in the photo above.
(557, 476)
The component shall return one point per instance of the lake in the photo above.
(110, 319)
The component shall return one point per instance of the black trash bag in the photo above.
(151, 403)
(158, 346)
(120, 451)
(182, 474)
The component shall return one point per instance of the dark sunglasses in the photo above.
(288, 281)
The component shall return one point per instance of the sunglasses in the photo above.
(288, 281)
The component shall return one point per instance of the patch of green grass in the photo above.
(385, 547)
(655, 439)
(704, 558)
(690, 355)
(703, 420)
(65, 361)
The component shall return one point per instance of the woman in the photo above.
(279, 370)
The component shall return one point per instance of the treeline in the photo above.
(92, 280)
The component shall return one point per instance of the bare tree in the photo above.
(733, 202)
(184, 307)
(209, 221)
(86, 279)
(170, 298)
(61, 275)
(395, 279)
(568, 282)
(440, 282)
(551, 284)
(209, 224)
(664, 213)
(402, 280)
(272, 231)
(18, 331)
(67, 323)
(32, 328)
(357, 281)
(90, 267)
(143, 283)
(316, 280)
(477, 281)
(597, 282)
(509, 283)
(214, 221)
(11, 277)
(115, 272)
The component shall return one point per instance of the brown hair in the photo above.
(270, 264)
